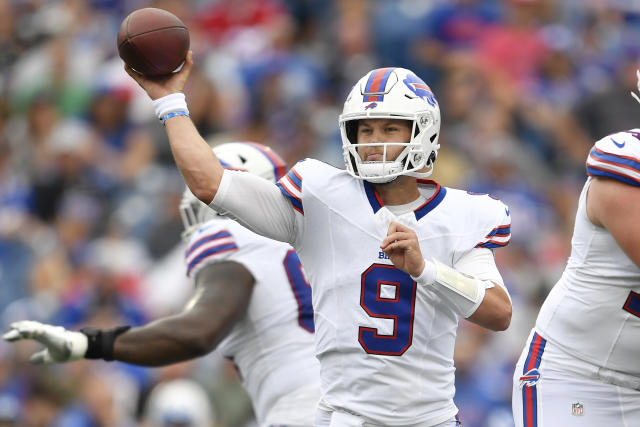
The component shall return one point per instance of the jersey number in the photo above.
(387, 293)
(301, 290)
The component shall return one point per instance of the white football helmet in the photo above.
(251, 157)
(392, 93)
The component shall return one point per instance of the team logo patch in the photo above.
(530, 379)
(577, 409)
(371, 106)
(420, 88)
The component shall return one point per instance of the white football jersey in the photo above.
(385, 343)
(273, 345)
(593, 312)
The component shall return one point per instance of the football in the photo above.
(154, 42)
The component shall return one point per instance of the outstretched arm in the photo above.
(222, 295)
(198, 164)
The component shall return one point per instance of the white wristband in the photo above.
(428, 275)
(170, 104)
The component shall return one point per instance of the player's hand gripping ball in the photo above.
(154, 42)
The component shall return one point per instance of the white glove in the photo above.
(62, 345)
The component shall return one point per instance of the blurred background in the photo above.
(89, 193)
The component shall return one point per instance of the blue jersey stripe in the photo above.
(431, 204)
(492, 245)
(210, 252)
(295, 201)
(206, 239)
(613, 158)
(372, 197)
(595, 171)
(297, 181)
(503, 230)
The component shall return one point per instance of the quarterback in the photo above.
(394, 260)
(252, 302)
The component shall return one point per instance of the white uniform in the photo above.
(273, 346)
(582, 363)
(385, 344)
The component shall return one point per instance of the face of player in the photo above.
(382, 130)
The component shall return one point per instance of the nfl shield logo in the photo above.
(577, 408)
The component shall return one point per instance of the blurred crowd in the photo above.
(89, 193)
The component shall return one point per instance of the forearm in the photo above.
(223, 291)
(165, 341)
(472, 288)
(495, 310)
(198, 164)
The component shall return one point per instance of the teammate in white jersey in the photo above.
(581, 364)
(252, 302)
(394, 261)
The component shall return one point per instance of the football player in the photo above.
(581, 363)
(394, 260)
(251, 302)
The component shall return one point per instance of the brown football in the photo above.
(154, 42)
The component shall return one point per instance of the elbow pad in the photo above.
(463, 293)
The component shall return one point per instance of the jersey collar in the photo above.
(421, 211)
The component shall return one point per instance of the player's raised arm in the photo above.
(222, 295)
(198, 164)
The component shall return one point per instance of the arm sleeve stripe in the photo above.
(209, 253)
(499, 237)
(621, 168)
(501, 231)
(597, 171)
(491, 244)
(219, 235)
(297, 187)
(295, 201)
(631, 162)
(295, 179)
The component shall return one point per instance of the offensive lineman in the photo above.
(252, 303)
(386, 317)
(581, 363)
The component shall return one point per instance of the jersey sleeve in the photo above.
(291, 187)
(256, 204)
(617, 157)
(211, 243)
(495, 223)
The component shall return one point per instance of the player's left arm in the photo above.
(494, 312)
(472, 287)
(222, 295)
(615, 206)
